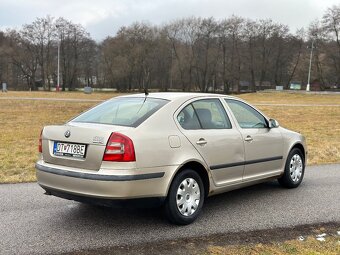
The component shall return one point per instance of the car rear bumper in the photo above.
(115, 203)
(103, 184)
(98, 177)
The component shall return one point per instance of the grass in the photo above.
(283, 98)
(320, 125)
(309, 246)
(292, 98)
(73, 94)
(22, 120)
(21, 123)
(280, 241)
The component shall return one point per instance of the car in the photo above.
(167, 149)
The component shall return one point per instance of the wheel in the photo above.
(185, 198)
(294, 169)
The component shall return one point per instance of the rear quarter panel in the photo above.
(153, 141)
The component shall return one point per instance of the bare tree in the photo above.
(250, 33)
(200, 54)
(296, 50)
(24, 55)
(331, 24)
(72, 38)
(206, 53)
(230, 33)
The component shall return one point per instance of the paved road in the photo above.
(33, 223)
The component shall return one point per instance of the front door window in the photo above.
(246, 116)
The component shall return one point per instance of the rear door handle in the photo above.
(248, 138)
(201, 141)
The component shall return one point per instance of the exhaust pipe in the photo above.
(47, 193)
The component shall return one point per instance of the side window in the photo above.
(187, 118)
(204, 114)
(246, 116)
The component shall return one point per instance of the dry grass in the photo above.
(73, 94)
(291, 98)
(276, 97)
(21, 122)
(320, 125)
(309, 246)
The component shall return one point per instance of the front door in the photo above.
(263, 145)
(206, 125)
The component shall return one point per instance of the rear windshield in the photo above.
(129, 112)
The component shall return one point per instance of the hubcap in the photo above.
(188, 197)
(295, 168)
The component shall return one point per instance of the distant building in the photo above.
(295, 86)
(246, 86)
(315, 85)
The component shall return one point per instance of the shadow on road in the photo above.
(125, 217)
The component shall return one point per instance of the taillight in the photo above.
(40, 141)
(119, 148)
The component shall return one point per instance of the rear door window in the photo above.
(204, 114)
(187, 118)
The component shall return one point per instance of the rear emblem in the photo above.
(98, 139)
(67, 134)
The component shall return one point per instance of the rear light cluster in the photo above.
(119, 148)
(40, 142)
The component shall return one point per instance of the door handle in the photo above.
(248, 138)
(201, 141)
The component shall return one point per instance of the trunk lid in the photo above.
(94, 136)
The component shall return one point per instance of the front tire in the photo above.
(185, 198)
(294, 169)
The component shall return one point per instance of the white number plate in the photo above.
(74, 150)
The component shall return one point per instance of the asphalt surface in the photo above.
(32, 223)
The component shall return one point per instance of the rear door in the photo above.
(263, 145)
(208, 128)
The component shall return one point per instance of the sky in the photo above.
(102, 18)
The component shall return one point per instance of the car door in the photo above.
(207, 126)
(263, 145)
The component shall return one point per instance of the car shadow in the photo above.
(124, 218)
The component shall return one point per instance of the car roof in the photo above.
(174, 96)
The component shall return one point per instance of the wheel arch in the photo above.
(197, 167)
(300, 147)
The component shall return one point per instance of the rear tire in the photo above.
(294, 169)
(185, 198)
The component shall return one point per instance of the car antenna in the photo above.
(146, 92)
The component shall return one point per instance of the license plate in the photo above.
(74, 150)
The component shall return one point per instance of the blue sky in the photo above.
(104, 17)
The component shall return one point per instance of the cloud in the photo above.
(104, 17)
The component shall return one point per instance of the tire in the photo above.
(185, 198)
(294, 169)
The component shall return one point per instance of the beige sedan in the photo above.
(171, 149)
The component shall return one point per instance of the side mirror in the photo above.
(273, 123)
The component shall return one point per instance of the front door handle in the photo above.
(248, 138)
(201, 141)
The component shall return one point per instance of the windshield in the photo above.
(129, 111)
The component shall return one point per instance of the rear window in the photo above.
(129, 112)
